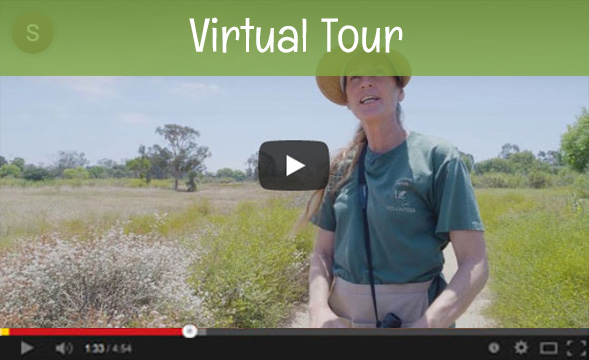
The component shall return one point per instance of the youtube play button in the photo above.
(293, 165)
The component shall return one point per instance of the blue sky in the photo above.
(110, 117)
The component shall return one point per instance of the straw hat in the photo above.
(335, 64)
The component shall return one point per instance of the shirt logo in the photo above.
(400, 198)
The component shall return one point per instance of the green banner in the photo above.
(290, 37)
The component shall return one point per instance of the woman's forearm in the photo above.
(320, 279)
(469, 280)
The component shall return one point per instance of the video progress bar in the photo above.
(287, 332)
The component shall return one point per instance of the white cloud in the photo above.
(196, 89)
(91, 85)
(95, 86)
(133, 118)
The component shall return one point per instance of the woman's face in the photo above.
(373, 98)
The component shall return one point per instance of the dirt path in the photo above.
(472, 318)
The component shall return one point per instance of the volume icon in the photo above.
(65, 348)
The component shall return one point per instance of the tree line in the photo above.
(573, 156)
(573, 152)
(183, 157)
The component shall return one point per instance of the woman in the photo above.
(419, 198)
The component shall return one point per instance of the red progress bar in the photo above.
(95, 332)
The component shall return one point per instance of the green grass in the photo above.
(538, 243)
(117, 182)
(253, 271)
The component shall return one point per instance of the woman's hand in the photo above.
(323, 317)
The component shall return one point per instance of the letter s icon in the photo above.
(35, 34)
(32, 32)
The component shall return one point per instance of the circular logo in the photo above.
(32, 32)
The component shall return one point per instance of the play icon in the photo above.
(293, 165)
(25, 348)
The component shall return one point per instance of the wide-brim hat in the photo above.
(335, 64)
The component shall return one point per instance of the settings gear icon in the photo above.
(521, 347)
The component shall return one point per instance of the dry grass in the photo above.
(106, 256)
(36, 211)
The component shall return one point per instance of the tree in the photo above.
(160, 159)
(186, 154)
(20, 162)
(3, 161)
(524, 161)
(252, 167)
(69, 160)
(191, 183)
(225, 172)
(106, 163)
(494, 165)
(468, 160)
(98, 172)
(34, 173)
(554, 158)
(140, 167)
(120, 171)
(239, 175)
(507, 150)
(10, 170)
(574, 143)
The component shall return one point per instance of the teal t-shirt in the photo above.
(418, 192)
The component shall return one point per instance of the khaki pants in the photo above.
(353, 302)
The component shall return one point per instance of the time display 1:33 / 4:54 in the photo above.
(104, 348)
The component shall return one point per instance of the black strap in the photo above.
(363, 197)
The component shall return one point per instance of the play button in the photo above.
(25, 348)
(293, 165)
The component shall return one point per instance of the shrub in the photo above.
(98, 172)
(539, 180)
(111, 280)
(566, 176)
(494, 165)
(78, 173)
(581, 186)
(10, 170)
(191, 183)
(253, 271)
(499, 180)
(137, 183)
(37, 174)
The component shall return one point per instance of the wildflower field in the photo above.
(101, 255)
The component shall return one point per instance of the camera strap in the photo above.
(363, 197)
